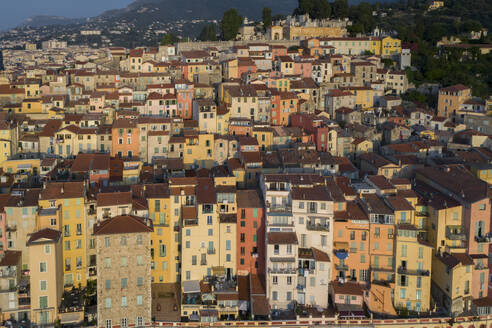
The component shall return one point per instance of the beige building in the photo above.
(46, 273)
(123, 271)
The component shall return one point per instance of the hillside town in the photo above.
(279, 177)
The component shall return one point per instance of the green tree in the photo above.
(208, 33)
(317, 9)
(230, 24)
(168, 39)
(266, 14)
(340, 8)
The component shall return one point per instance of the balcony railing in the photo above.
(191, 222)
(402, 270)
(283, 270)
(482, 239)
(318, 227)
(280, 208)
(453, 234)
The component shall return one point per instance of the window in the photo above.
(107, 262)
(42, 285)
(275, 280)
(107, 243)
(139, 260)
(274, 296)
(47, 249)
(139, 240)
(42, 267)
(108, 303)
(404, 250)
(123, 241)
(228, 245)
(124, 323)
(139, 300)
(124, 261)
(123, 301)
(43, 302)
(108, 323)
(402, 293)
(140, 321)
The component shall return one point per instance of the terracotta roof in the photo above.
(10, 258)
(123, 224)
(249, 199)
(114, 198)
(63, 190)
(282, 238)
(349, 288)
(50, 234)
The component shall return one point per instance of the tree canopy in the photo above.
(317, 9)
(168, 39)
(230, 24)
(266, 15)
(208, 33)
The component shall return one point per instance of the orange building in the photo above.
(351, 244)
(125, 138)
(283, 104)
(451, 98)
(250, 233)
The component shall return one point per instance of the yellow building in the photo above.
(264, 136)
(46, 274)
(412, 270)
(164, 238)
(199, 150)
(9, 139)
(452, 275)
(69, 198)
(390, 46)
(364, 96)
(444, 229)
(32, 106)
(22, 168)
(483, 172)
(208, 237)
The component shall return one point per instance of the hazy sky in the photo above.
(12, 13)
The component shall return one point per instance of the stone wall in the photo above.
(223, 45)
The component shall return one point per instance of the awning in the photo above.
(218, 270)
(191, 286)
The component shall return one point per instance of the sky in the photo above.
(13, 13)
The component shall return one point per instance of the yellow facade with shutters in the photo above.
(413, 264)
(199, 151)
(390, 46)
(9, 139)
(73, 229)
(164, 242)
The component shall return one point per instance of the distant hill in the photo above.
(37, 21)
(173, 10)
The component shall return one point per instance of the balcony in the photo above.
(191, 222)
(203, 262)
(483, 239)
(279, 208)
(318, 227)
(406, 271)
(453, 233)
(92, 272)
(283, 270)
(11, 228)
(301, 287)
(176, 228)
(211, 251)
